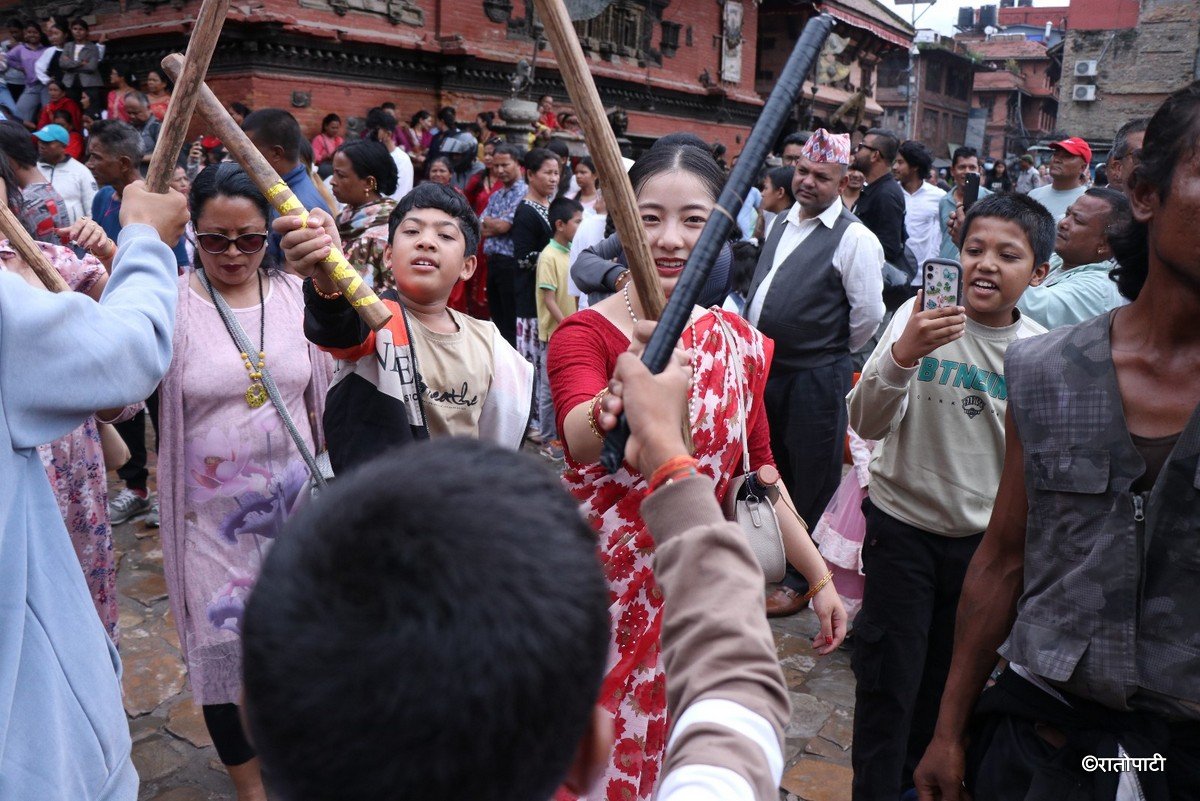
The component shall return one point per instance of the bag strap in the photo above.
(243, 342)
(736, 359)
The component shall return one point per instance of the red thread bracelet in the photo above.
(674, 468)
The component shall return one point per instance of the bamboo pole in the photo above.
(201, 43)
(356, 292)
(602, 144)
(28, 250)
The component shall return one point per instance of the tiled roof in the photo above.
(1005, 49)
(996, 81)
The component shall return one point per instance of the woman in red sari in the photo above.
(676, 189)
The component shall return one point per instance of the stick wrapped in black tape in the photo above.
(724, 217)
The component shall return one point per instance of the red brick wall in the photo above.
(455, 27)
(1102, 15)
(1037, 16)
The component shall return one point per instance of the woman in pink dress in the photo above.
(676, 187)
(230, 473)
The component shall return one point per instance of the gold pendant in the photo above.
(256, 395)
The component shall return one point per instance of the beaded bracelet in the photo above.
(593, 414)
(332, 296)
(674, 469)
(819, 586)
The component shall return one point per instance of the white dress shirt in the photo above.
(404, 173)
(858, 259)
(922, 223)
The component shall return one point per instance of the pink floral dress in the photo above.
(582, 356)
(230, 475)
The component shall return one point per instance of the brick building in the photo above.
(944, 71)
(670, 64)
(1121, 60)
(843, 94)
(1019, 94)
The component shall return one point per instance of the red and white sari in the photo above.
(634, 688)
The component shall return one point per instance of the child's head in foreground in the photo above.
(433, 233)
(1007, 240)
(435, 626)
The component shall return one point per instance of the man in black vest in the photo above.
(1085, 581)
(817, 291)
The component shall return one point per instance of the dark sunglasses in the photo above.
(217, 244)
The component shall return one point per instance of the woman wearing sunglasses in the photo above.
(230, 472)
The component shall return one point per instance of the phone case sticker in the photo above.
(941, 286)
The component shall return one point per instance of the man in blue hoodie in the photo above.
(63, 733)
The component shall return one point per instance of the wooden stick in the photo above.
(28, 250)
(618, 193)
(221, 125)
(202, 42)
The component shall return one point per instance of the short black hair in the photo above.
(1029, 215)
(448, 116)
(562, 209)
(781, 178)
(120, 137)
(512, 151)
(241, 108)
(17, 144)
(444, 198)
(275, 127)
(1120, 146)
(1118, 203)
(388, 106)
(328, 118)
(963, 153)
(794, 138)
(378, 118)
(889, 143)
(81, 22)
(428, 639)
(1171, 138)
(535, 158)
(369, 158)
(917, 155)
(559, 148)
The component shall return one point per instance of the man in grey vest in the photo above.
(1086, 579)
(817, 292)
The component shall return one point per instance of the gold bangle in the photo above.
(595, 404)
(332, 296)
(820, 586)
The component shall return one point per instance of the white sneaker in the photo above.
(126, 506)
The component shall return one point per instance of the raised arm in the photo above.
(986, 612)
(64, 356)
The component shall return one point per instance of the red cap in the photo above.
(1076, 147)
(212, 143)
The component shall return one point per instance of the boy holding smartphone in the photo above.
(934, 394)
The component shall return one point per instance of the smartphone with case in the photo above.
(942, 280)
(970, 192)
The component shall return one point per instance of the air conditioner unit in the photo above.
(1084, 94)
(1085, 69)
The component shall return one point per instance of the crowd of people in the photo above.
(1007, 557)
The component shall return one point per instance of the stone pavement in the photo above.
(176, 761)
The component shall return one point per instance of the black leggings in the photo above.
(225, 725)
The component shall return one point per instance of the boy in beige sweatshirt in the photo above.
(933, 393)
